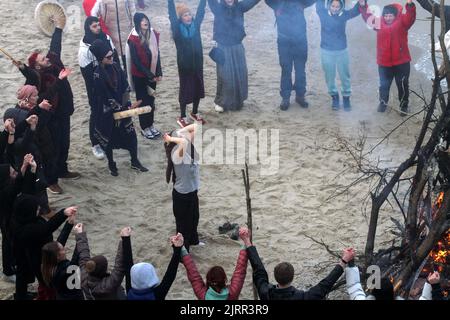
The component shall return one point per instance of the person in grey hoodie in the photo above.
(142, 281)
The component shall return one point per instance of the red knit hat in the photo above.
(32, 59)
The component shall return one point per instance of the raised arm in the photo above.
(409, 17)
(246, 5)
(38, 231)
(127, 255)
(320, 7)
(31, 76)
(324, 287)
(173, 18)
(170, 275)
(200, 13)
(434, 287)
(353, 12)
(260, 277)
(55, 44)
(82, 247)
(364, 10)
(65, 232)
(214, 5)
(198, 285)
(319, 291)
(353, 282)
(238, 278)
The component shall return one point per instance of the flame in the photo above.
(441, 252)
(440, 199)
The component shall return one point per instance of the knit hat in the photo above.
(97, 266)
(99, 49)
(143, 276)
(26, 91)
(32, 59)
(182, 8)
(390, 9)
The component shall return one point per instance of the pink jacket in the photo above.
(236, 283)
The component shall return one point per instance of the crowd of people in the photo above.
(116, 58)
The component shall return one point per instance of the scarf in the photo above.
(152, 46)
(187, 31)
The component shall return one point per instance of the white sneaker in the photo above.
(155, 132)
(201, 244)
(98, 152)
(11, 278)
(218, 108)
(148, 133)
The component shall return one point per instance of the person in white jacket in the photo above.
(431, 290)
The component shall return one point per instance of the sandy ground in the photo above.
(287, 205)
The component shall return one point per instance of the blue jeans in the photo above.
(332, 60)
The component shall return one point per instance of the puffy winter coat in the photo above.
(392, 40)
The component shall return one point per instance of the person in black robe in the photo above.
(112, 95)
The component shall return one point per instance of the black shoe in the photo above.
(284, 105)
(347, 104)
(113, 169)
(335, 102)
(301, 101)
(382, 107)
(136, 165)
(404, 109)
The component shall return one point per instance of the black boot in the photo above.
(347, 104)
(404, 108)
(335, 102)
(302, 101)
(136, 165)
(284, 105)
(382, 107)
(113, 169)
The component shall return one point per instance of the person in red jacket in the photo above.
(216, 287)
(393, 57)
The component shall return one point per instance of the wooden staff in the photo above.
(132, 112)
(246, 178)
(8, 55)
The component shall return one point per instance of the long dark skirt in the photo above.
(192, 87)
(232, 78)
(187, 214)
